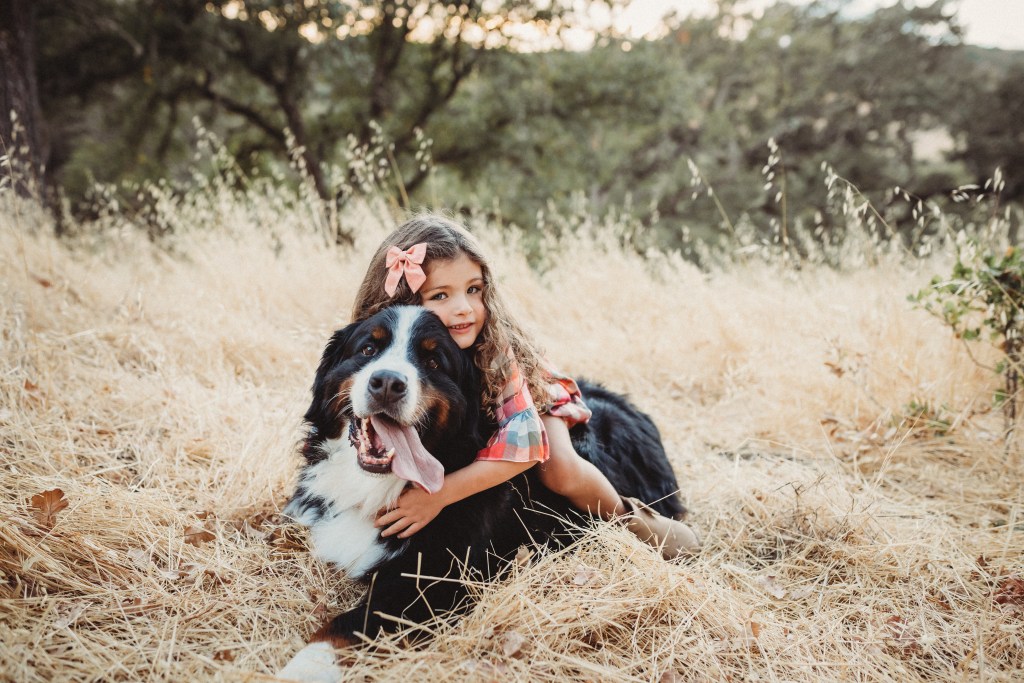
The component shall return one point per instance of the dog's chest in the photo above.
(341, 529)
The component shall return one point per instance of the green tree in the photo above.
(627, 118)
(992, 128)
(137, 72)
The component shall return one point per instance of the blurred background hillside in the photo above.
(709, 123)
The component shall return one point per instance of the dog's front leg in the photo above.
(321, 661)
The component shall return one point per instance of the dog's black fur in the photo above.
(417, 578)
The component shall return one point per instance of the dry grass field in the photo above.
(863, 519)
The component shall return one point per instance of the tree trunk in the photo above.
(21, 123)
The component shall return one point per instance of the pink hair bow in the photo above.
(405, 263)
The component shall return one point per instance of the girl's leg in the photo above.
(569, 475)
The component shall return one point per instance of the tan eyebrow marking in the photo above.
(429, 344)
(378, 333)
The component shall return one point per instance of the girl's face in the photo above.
(454, 290)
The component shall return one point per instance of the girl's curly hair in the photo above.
(501, 334)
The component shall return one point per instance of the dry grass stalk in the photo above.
(847, 536)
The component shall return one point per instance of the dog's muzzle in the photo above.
(387, 390)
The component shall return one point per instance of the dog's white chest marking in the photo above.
(344, 534)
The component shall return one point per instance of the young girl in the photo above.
(433, 262)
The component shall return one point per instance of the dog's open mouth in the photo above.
(373, 455)
(384, 446)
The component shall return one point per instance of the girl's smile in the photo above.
(454, 290)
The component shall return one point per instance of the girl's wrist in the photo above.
(444, 495)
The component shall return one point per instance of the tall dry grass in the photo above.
(862, 519)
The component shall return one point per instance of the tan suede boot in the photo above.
(673, 538)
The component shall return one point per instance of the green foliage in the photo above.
(983, 299)
(924, 416)
(274, 79)
(628, 122)
(989, 120)
(673, 130)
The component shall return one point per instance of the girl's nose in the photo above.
(461, 305)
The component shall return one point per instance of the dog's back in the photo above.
(625, 445)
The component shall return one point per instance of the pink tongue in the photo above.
(412, 461)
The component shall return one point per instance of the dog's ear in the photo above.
(333, 354)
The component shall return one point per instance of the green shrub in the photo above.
(983, 299)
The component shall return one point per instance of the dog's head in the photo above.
(404, 391)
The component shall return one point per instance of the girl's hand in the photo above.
(413, 510)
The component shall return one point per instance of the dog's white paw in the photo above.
(315, 663)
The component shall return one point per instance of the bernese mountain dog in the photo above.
(396, 403)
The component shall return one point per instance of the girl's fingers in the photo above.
(411, 530)
(388, 518)
(396, 527)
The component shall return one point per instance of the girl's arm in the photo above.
(415, 508)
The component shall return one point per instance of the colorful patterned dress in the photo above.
(521, 436)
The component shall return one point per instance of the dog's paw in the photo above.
(315, 663)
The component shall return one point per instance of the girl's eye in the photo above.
(433, 364)
(439, 296)
(368, 350)
(475, 289)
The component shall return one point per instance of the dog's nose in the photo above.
(388, 386)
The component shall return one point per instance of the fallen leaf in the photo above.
(46, 505)
(193, 572)
(319, 601)
(802, 593)
(224, 656)
(319, 612)
(753, 629)
(584, 575)
(44, 282)
(254, 533)
(1010, 591)
(941, 602)
(512, 643)
(902, 635)
(69, 615)
(594, 639)
(253, 521)
(33, 391)
(139, 557)
(483, 670)
(197, 535)
(287, 538)
(133, 606)
(770, 584)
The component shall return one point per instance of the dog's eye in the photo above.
(433, 364)
(368, 350)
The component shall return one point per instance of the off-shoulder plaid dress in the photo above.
(521, 436)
